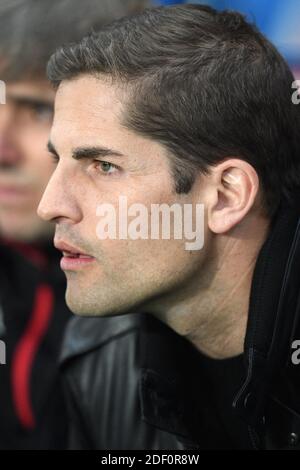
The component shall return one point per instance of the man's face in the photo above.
(25, 122)
(119, 274)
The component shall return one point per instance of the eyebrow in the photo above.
(81, 153)
(31, 101)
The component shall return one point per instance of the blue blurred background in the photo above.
(279, 20)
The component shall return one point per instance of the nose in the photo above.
(9, 152)
(59, 201)
(9, 155)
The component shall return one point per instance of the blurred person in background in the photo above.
(33, 314)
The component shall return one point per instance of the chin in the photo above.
(82, 307)
(95, 308)
(28, 232)
(76, 307)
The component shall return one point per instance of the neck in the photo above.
(212, 310)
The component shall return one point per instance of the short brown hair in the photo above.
(210, 86)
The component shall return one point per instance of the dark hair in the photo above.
(31, 30)
(205, 84)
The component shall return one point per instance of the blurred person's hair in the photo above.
(31, 30)
(207, 85)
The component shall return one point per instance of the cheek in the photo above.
(20, 218)
(45, 168)
(40, 170)
(119, 196)
(38, 162)
(35, 137)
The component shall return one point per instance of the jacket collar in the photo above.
(273, 314)
(170, 364)
(169, 380)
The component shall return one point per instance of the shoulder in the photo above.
(100, 371)
(87, 334)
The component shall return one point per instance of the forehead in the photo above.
(39, 89)
(88, 111)
(86, 108)
(96, 99)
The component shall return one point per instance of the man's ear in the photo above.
(234, 186)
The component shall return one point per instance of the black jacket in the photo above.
(33, 320)
(133, 383)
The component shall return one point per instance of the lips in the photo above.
(67, 254)
(73, 258)
(13, 194)
(68, 249)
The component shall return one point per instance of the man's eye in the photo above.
(106, 167)
(54, 158)
(44, 109)
(42, 112)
